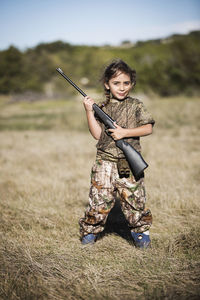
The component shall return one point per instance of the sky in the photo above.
(26, 23)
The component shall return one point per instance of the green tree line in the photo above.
(166, 66)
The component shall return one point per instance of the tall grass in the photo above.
(44, 185)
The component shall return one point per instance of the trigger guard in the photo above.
(108, 132)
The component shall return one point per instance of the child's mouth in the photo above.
(121, 94)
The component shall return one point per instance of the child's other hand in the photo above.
(88, 102)
(117, 133)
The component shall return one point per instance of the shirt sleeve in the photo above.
(143, 117)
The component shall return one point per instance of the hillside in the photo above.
(167, 66)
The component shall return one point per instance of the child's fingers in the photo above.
(116, 125)
(88, 103)
(88, 100)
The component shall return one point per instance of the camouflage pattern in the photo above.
(105, 187)
(128, 113)
(106, 184)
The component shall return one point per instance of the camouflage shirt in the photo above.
(128, 113)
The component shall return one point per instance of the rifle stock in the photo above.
(136, 162)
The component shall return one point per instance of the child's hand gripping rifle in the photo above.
(133, 157)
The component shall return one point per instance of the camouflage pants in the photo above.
(105, 184)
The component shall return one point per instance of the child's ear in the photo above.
(106, 86)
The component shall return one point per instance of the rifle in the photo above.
(133, 157)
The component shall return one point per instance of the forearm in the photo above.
(93, 125)
(138, 131)
(120, 133)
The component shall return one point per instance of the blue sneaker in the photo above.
(141, 240)
(89, 239)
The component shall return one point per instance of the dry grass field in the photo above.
(46, 154)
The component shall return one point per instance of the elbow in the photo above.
(149, 129)
(98, 134)
(95, 135)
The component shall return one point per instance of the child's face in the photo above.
(120, 85)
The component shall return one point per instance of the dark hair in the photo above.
(111, 70)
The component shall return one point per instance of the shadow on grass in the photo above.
(117, 224)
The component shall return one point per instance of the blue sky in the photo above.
(26, 23)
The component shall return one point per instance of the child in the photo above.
(110, 173)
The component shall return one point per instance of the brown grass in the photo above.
(44, 186)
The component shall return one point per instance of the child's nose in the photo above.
(121, 87)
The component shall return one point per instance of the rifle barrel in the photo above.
(71, 82)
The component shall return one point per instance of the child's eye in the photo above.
(127, 82)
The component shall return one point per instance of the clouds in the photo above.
(184, 27)
(163, 31)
